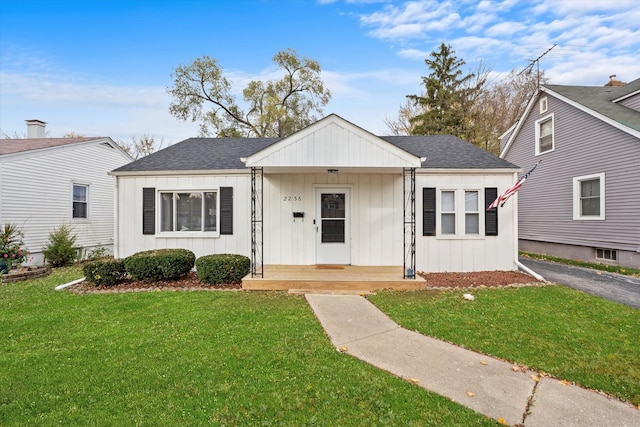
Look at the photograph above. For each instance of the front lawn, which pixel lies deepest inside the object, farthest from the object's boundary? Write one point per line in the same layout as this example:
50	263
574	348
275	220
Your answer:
554	329
190	358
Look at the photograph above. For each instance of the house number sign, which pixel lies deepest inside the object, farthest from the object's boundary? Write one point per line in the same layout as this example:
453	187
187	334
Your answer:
291	198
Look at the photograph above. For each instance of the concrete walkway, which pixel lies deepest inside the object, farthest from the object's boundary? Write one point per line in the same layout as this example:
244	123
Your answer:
489	386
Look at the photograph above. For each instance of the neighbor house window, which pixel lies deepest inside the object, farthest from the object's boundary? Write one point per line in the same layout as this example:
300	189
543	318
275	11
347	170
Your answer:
80	203
471	213
543	105
544	135
588	197
606	254
448	212
189	211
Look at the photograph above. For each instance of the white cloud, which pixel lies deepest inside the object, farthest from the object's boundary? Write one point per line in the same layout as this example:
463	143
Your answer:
505	29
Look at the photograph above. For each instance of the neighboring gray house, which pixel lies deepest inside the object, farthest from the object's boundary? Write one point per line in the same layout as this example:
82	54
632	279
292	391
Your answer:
331	193
583	200
47	182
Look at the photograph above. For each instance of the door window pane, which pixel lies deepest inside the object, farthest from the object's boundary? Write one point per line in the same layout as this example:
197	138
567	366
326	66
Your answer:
333	217
333	231
333	205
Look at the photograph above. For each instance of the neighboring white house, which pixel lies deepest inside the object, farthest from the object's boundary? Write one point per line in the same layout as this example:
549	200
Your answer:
331	193
47	182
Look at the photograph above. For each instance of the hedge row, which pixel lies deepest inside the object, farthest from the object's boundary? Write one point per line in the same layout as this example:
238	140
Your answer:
168	264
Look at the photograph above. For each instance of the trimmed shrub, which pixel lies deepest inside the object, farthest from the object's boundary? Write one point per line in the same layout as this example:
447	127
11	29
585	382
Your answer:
104	272
222	268
60	251
160	264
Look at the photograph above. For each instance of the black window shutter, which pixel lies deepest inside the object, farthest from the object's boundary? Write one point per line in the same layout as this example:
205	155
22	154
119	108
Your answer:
148	211
429	211
226	210
491	215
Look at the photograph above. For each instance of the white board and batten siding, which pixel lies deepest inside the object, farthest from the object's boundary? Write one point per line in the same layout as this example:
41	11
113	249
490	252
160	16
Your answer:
466	253
374	210
130	238
37	190
332	143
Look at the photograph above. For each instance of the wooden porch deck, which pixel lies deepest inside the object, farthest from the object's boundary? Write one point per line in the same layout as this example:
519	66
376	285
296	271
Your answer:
330	278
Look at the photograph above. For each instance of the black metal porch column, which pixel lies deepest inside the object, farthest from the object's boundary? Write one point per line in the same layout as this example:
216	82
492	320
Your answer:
257	228
409	222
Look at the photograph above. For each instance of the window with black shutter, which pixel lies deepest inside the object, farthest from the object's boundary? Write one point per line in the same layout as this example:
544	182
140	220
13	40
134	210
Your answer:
226	210
429	211
148	211
491	215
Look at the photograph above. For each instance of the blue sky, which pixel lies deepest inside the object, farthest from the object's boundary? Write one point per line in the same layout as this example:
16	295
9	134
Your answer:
101	67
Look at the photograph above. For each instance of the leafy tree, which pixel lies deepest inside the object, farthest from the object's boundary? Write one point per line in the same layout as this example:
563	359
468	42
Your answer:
202	93
447	97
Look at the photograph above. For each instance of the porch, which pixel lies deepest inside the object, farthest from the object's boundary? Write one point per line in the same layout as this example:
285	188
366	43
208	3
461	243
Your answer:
331	278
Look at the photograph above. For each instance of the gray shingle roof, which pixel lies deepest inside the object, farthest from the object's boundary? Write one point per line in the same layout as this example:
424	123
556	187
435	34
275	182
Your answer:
202	154
448	152
599	99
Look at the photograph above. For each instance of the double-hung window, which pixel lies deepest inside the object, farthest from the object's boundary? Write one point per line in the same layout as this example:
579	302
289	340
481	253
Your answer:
80	202
459	213
544	134
448	212
471	213
588	197
194	211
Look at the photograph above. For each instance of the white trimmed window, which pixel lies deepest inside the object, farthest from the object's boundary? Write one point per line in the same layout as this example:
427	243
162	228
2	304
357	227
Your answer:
471	213
545	135
588	197
459	214
448	212
189	211
606	254
80	202
543	105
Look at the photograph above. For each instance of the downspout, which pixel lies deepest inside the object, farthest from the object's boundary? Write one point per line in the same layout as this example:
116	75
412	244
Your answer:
515	233
530	271
116	219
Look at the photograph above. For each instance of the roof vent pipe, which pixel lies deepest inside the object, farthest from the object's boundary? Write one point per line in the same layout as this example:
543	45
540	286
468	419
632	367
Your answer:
36	128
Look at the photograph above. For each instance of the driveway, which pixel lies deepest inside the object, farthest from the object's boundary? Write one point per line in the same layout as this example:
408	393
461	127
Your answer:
614	287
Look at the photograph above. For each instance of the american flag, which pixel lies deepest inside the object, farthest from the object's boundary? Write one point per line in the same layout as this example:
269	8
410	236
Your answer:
501	200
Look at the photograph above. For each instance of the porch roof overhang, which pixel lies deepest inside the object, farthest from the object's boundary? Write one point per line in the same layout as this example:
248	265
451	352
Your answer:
332	144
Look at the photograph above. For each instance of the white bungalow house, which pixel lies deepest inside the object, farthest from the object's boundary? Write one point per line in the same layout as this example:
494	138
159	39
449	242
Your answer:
48	182
331	193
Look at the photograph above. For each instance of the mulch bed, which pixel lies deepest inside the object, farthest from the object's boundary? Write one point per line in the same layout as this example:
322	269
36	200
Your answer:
187	283
481	279
478	279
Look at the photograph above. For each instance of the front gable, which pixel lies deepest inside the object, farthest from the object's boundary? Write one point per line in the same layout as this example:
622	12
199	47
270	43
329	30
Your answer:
333	143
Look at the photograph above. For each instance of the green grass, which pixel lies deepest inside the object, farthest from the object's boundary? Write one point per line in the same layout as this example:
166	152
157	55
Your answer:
603	267
190	358
566	333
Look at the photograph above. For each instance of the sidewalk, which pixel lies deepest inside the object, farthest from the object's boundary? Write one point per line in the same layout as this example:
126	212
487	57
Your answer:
488	386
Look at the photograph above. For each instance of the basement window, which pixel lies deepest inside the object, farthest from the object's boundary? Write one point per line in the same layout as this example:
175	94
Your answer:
606	254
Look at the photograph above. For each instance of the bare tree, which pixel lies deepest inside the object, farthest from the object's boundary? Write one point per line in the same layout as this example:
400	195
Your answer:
142	146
